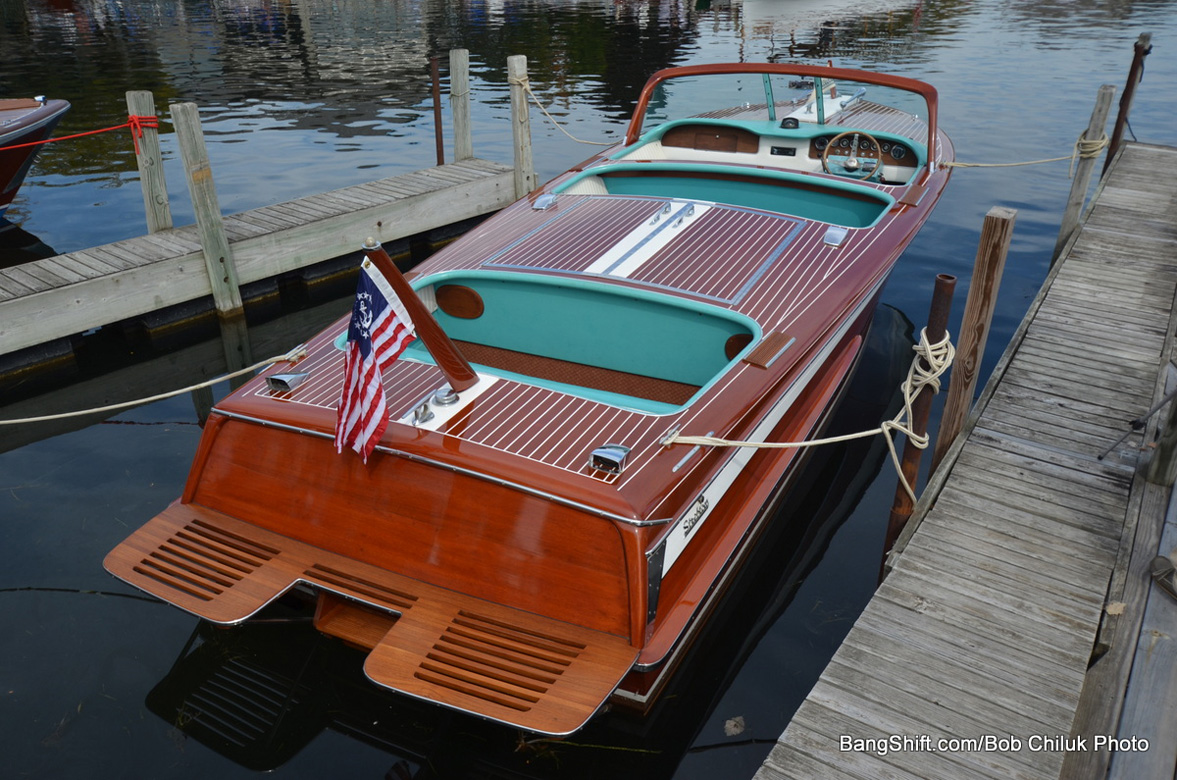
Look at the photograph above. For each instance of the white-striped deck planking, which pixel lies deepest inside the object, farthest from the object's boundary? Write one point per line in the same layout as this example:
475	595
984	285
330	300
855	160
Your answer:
59	296
985	626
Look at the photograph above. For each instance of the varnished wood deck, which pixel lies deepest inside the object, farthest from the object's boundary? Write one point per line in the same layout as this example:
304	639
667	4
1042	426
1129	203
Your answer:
987	623
428	642
72	293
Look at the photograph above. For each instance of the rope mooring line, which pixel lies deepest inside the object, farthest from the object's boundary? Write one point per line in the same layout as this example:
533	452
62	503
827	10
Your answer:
292	356
938	358
135	122
1084	149
526	84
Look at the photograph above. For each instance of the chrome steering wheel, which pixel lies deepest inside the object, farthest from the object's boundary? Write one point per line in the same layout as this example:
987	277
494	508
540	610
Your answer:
861	163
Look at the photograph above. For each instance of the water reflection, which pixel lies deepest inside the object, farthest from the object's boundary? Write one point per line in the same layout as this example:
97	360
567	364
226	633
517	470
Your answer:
304	96
361	68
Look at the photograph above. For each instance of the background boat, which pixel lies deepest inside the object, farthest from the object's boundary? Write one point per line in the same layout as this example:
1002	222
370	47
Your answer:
23	123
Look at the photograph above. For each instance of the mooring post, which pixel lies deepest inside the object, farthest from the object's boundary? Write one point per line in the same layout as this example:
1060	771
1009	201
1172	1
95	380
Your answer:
460	103
1084	169
438	130
1162	467
141	103
1141	49
521	125
218	260
996	233
921	409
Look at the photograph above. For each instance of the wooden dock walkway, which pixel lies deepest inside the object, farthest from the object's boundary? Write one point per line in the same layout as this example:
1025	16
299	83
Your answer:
72	293
971	660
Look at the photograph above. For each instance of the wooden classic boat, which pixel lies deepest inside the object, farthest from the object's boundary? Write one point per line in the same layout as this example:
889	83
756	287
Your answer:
527	541
23	122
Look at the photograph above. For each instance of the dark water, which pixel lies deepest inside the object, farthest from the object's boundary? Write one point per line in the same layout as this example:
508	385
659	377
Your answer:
299	97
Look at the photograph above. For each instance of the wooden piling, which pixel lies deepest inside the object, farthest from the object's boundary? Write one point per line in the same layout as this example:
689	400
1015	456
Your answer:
1083	170
1141	49
218	260
1162	467
150	161
460	104
996	233
521	125
921	409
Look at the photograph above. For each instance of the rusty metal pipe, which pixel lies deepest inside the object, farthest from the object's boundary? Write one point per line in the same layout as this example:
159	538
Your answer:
437	128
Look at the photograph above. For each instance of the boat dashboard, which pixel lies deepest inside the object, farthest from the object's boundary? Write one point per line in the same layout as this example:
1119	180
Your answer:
844	151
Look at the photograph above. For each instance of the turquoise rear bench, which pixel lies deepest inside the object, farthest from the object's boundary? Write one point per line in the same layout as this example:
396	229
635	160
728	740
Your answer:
838	203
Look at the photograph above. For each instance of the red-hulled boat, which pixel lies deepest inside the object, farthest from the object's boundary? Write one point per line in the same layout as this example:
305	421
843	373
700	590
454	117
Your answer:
527	540
22	124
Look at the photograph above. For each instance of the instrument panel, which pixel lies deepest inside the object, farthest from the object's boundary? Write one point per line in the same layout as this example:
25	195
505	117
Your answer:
892	152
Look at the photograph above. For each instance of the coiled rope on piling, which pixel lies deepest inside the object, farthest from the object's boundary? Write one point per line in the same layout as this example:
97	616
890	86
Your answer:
135	122
525	83
292	356
1084	149
929	363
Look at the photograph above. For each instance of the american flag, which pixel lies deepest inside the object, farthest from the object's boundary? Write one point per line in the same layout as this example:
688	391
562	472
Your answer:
379	331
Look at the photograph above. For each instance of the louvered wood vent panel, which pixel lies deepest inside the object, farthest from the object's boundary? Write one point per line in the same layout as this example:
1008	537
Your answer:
203	561
497	662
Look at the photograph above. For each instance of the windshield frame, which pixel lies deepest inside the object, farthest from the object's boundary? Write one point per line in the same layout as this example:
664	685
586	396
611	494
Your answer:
817	72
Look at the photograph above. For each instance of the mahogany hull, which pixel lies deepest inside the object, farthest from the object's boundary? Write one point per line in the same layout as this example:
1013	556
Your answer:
539	542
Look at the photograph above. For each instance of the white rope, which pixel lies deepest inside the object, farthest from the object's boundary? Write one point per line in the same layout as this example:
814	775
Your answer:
292	356
526	84
1083	150
937	357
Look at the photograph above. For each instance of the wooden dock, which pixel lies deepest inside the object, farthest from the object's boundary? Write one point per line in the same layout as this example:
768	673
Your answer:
1029	563
47	301
67	294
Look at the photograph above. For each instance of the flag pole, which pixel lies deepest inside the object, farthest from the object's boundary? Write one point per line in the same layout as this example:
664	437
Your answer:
451	362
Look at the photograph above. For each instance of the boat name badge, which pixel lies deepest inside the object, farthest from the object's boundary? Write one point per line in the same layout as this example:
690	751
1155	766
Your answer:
696	514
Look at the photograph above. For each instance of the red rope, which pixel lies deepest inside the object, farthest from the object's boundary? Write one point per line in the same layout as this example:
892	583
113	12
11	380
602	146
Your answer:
136	123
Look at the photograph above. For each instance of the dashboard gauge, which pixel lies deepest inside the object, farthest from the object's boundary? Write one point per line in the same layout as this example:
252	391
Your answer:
898	151
820	144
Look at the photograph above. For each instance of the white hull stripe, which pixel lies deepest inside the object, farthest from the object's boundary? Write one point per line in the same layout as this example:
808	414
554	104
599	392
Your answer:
685	528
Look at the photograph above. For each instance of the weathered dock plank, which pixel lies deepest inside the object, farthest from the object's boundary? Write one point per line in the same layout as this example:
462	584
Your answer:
73	293
987	622
1148	712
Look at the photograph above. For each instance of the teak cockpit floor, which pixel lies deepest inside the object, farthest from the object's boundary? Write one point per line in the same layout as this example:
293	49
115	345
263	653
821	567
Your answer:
507	665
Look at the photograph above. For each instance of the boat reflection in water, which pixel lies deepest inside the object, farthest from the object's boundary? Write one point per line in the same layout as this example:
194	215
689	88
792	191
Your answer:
259	693
544	508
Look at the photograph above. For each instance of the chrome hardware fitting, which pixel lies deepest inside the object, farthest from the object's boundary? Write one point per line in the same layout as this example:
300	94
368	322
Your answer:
609	458
422	414
284	383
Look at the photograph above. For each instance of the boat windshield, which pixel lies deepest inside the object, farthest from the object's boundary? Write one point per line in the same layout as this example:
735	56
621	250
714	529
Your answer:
769	97
788	97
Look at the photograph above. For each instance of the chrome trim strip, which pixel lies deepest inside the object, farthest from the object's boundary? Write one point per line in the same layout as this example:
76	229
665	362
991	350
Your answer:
459	470
653	580
690	454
